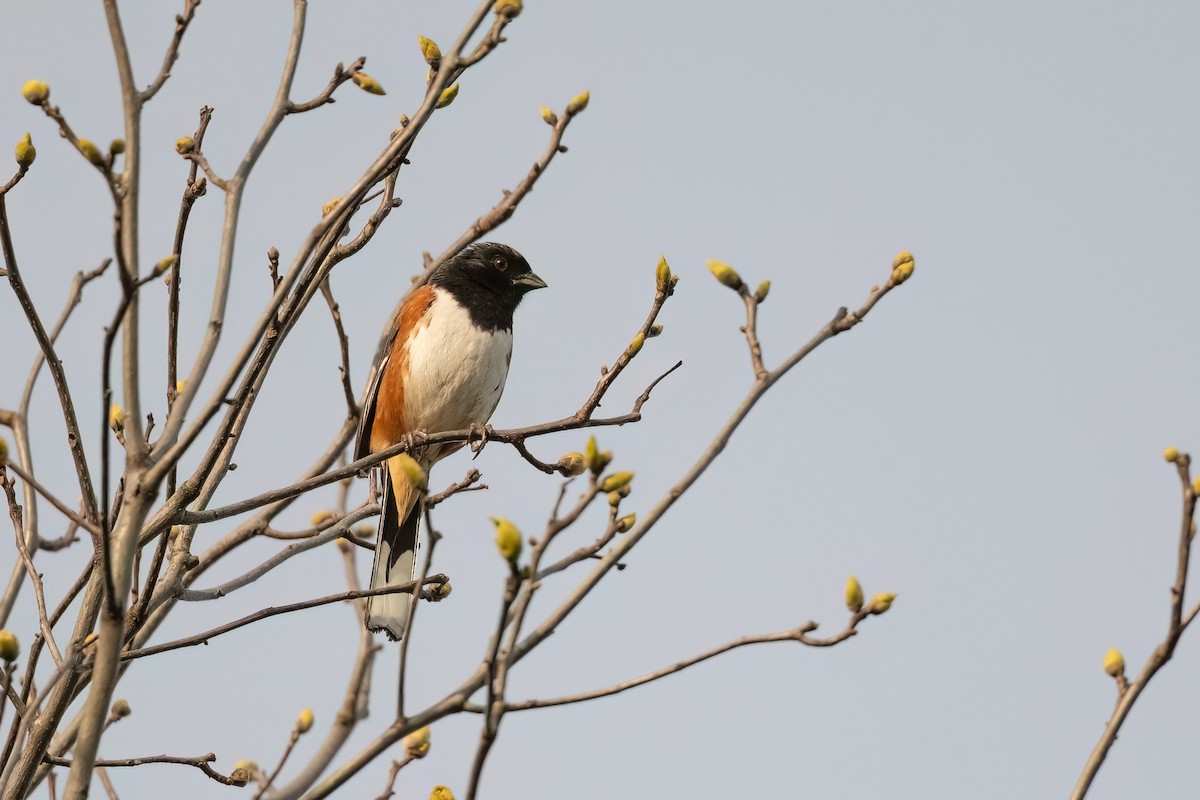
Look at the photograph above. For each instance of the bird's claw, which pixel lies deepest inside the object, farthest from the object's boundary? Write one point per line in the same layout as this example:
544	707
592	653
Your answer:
484	433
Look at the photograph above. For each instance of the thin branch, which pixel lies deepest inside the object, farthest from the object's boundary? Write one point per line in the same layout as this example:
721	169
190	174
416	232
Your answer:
1129	691
340	76
203	638
799	634
62	507
199	762
181	24
14	512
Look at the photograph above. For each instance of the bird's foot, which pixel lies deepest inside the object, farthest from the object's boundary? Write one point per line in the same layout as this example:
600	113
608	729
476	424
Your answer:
484	432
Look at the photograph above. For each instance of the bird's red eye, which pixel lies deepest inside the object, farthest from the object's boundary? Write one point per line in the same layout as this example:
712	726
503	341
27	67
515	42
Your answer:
500	263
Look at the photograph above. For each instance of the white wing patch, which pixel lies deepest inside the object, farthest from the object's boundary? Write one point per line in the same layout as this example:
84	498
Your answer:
456	371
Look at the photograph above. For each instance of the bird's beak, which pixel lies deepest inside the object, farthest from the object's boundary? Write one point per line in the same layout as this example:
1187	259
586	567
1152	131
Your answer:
529	281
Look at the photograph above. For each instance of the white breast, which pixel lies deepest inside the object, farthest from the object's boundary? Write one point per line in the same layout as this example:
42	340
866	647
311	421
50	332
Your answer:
456	371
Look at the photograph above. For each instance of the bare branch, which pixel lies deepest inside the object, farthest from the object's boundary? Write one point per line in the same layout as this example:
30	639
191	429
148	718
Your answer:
181	24
274	611
199	762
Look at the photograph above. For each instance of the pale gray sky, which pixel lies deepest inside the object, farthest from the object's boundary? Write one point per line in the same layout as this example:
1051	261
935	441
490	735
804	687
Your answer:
987	445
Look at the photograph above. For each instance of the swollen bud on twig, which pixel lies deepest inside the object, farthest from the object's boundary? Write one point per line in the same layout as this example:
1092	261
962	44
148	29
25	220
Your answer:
761	292
614	499
164	265
416	744
429	50
116	146
304	722
26	152
116	417
3	450
578	103
572	464
508	539
626	522
635	346
724	273
121	709
330	205
1170	455
368	84
91	152
441	793
447	96
1196	485
591	456
902	267
508	8
442	591
36	92
854	594
322	516
10	648
662	274
655	330
616	481
880	603
1114	662
412	470
548	116
239	777
185	144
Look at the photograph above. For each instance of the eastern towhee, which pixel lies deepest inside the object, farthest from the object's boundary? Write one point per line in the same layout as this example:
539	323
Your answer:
441	368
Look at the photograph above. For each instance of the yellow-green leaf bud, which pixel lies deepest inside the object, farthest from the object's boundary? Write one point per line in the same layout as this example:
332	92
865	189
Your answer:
616	481
854	594
180	385
121	709
880	603
655	330
442	591
330	205
578	103
902	267
761	292
724	273
508	539
35	91
26	152
239	777
635	346
1114	662
572	463
614	499
185	144
626	522
1196	485
441	793
662	274
10	648
429	50
304	722
416	744
248	765
322	516
447	96
604	458
116	416
368	84
591	455
3	450
508	8
413	471
164	264
548	116
116	147
1170	455
91	152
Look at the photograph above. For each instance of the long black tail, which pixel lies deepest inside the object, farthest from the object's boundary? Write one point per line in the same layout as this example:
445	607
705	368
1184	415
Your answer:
395	561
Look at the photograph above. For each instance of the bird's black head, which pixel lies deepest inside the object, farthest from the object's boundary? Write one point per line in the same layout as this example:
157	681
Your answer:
489	280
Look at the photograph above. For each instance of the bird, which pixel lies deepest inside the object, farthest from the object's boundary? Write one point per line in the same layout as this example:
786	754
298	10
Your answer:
440	367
